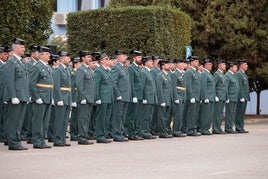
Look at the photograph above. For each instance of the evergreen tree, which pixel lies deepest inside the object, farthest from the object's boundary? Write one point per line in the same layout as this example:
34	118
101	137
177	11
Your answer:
27	19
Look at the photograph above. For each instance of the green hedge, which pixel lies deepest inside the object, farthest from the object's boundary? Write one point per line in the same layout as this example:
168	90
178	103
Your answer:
152	29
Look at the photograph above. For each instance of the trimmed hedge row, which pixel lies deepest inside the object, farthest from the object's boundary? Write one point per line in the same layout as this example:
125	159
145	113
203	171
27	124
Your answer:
154	30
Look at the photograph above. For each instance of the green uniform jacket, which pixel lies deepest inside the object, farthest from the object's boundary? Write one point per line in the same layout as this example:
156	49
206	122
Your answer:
104	86
2	67
121	79
163	89
178	80
193	88
207	86
16	80
243	84
155	72
135	81
85	84
61	79
41	74
232	87
148	86
220	85
74	86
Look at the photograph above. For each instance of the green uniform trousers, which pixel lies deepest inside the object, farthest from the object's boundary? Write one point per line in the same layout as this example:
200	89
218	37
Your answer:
74	124
40	121
133	118
118	119
240	114
14	119
146	116
92	123
230	116
103	113
60	124
29	118
218	116
206	114
191	117
178	118
163	114
153	122
2	126
50	132
84	117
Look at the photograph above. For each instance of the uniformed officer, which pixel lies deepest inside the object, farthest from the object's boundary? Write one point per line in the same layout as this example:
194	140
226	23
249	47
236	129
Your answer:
198	106
164	99
133	114
16	93
9	51
243	96
76	62
192	96
29	111
179	96
104	97
121	79
41	88
207	96
54	63
232	97
86	97
220	96
62	98
149	97
155	70
3	59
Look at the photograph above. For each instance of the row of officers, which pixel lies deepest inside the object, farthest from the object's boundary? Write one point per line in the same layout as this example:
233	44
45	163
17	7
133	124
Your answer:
107	99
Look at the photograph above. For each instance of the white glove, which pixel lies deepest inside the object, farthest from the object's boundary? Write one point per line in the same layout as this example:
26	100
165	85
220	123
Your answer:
135	100
84	101
192	100
177	101
5	102
217	99
144	101
163	104
39	101
98	102
119	98
15	101
242	100
52	102
30	99
227	101
74	104
206	101
60	103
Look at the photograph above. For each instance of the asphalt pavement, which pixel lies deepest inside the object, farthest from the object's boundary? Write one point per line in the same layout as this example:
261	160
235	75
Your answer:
217	156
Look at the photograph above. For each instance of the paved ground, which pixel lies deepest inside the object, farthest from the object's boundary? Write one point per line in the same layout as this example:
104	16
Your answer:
217	156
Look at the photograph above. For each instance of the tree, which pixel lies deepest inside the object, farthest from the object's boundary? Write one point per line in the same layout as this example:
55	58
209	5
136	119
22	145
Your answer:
230	29
27	19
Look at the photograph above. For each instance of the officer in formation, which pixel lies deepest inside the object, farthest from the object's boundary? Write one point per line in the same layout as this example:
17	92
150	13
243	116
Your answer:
108	99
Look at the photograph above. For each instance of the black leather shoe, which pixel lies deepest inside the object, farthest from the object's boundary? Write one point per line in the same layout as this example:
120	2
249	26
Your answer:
73	139
17	148
47	146
105	141
86	142
135	138
231	132
59	145
50	140
120	140
38	147
154	133
195	134
179	135
5	143
242	131
205	133
29	142
165	136
149	137
91	138
2	140
67	145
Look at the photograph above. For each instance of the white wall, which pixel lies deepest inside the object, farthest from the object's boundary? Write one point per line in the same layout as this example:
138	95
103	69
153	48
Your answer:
251	107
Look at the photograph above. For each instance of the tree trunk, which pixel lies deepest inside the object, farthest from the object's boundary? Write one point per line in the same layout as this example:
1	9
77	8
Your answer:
258	103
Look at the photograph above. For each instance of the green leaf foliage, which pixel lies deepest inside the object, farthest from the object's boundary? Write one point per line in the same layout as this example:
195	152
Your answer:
152	29
27	19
